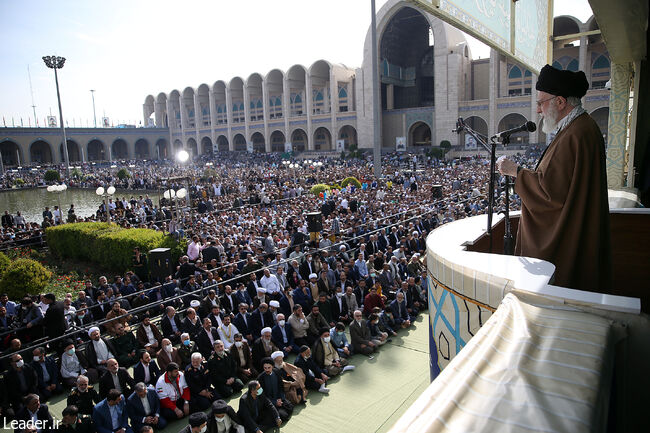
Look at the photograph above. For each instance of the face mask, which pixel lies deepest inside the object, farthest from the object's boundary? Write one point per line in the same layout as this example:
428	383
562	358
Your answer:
238	344
186	343
326	339
168	348
339	294
204	429
281	322
259	391
81	316
71	352
37	358
222	419
20	363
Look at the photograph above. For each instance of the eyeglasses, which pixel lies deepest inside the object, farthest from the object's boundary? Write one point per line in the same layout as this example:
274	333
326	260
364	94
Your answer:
539	103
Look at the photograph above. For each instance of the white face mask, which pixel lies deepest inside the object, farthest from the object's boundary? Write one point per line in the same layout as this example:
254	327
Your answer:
281	322
37	358
20	363
168	348
339	294
238	343
326	339
222	419
204	429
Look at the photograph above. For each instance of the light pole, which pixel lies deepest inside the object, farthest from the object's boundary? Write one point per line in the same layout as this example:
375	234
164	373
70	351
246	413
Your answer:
58	189
376	134
92	92
56	62
106	193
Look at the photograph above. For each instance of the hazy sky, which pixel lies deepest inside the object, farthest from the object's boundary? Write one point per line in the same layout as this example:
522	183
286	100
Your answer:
127	49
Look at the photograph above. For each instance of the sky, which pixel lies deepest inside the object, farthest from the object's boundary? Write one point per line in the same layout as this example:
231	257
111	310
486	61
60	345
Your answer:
127	49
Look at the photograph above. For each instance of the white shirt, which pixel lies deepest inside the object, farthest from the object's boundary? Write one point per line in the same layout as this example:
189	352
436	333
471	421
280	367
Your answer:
147	375
227	334
271	284
147	330
145	405
103	354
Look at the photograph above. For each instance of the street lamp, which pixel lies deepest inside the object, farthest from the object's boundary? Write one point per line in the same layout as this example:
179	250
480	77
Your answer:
58	189
56	62
106	193
294	167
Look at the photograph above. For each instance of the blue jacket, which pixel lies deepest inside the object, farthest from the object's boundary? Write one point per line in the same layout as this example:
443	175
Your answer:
102	417
276	337
399	314
136	410
52	370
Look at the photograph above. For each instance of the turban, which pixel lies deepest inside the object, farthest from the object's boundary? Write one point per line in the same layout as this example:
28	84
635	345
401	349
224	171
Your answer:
265	330
312	276
219	407
274	304
562	83
277	354
197	419
195	303
93	329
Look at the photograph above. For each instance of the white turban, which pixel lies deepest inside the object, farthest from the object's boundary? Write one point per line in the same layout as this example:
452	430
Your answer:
265	330
261	289
195	303
277	354
274	304
312	276
93	329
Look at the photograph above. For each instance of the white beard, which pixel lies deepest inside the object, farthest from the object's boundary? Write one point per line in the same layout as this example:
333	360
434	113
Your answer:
550	121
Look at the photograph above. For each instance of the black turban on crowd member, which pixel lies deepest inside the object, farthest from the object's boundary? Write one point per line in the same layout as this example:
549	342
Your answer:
562	83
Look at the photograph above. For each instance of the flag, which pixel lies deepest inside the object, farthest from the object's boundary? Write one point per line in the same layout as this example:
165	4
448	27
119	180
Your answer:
21	122
4	122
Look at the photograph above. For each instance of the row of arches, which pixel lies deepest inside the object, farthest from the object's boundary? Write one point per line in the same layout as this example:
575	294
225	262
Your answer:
42	151
323	86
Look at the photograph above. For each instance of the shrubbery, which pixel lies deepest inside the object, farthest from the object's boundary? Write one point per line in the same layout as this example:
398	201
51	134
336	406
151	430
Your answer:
318	188
4	263
123	173
52	176
351	180
111	246
24	276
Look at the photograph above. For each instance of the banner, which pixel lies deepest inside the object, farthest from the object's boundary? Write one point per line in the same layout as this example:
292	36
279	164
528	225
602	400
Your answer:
288	147
470	142
51	122
249	147
340	145
400	144
105	122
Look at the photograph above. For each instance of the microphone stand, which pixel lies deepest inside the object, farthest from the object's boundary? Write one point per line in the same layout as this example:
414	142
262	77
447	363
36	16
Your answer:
492	148
508	241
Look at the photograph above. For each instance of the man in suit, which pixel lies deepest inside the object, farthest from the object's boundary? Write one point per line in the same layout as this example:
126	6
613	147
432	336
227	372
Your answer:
33	410
256	411
259	319
282	336
399	308
47	373
262	348
167	354
126	346
110	415
191	323
54	323
115	378
242	322
171	325
208	302
223	371
146	370
228	300
315	378
83	396
74	422
206	338
20	380
143	408
210	252
148	335
241	353
360	335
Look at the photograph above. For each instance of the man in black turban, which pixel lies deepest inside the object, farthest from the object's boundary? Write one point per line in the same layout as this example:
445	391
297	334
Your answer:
564	207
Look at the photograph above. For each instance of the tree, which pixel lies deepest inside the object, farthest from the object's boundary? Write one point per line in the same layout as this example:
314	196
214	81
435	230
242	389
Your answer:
445	144
123	173
52	176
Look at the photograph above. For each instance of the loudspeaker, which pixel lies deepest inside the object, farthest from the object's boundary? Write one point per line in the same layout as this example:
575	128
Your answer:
160	263
436	190
314	222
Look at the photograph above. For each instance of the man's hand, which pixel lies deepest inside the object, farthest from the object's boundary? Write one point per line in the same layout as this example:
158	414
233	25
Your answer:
507	167
178	412
186	408
278	402
247	372
325	377
230	381
278	422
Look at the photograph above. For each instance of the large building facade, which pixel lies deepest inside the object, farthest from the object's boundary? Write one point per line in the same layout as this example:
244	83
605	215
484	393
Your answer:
428	80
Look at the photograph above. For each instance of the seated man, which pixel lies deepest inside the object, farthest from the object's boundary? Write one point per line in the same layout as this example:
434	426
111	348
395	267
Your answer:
126	346
293	379
116	378
35	412
20	380
315	378
146	370
186	349
48	374
282	336
400	314
271	382
340	341
376	335
149	336
227	332
173	393
316	323
110	415
223	371
98	351
74	422
206	338
197	423
83	396
224	419
191	323
143	408
299	325
119	316
256	412
386	322
241	353
360	335
326	356
73	364
262	348
171	325
198	381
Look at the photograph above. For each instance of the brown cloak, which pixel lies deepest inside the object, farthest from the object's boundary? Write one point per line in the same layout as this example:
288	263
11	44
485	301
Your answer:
564	208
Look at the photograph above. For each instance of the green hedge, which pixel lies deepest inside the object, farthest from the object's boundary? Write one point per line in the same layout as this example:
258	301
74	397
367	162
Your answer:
111	246
24	276
351	180
4	263
318	188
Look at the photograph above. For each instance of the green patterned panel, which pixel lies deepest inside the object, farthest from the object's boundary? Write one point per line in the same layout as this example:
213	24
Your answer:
617	125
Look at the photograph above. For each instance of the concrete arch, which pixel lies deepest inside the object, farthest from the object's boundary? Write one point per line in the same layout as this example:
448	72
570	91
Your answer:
259	142
192	147
427	122
178	145
419	134
239	143
297	82
319	74
299	140
162	149
74	151
236	90
162	119
141	149
323	139
149	109
255	97
277	141
203	99
274	82
40	151
96	150
220	102
601	117
187	100
12	153
348	134
513	120
222	143
206	145
175	106
119	149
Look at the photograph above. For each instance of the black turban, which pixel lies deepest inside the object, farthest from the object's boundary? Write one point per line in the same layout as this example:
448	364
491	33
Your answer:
562	83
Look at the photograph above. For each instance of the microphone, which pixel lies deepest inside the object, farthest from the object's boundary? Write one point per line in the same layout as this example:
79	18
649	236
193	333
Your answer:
528	126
